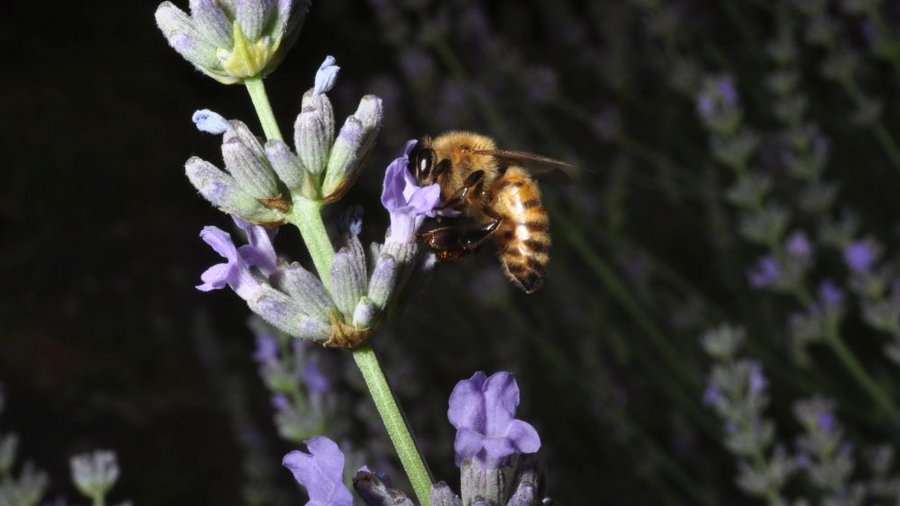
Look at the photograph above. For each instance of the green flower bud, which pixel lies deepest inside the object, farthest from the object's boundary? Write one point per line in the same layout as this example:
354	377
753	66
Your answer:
224	192
306	289
348	277
365	314
311	139
253	174
286	164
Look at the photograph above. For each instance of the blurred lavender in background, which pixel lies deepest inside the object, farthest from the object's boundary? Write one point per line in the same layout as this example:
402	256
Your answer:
739	167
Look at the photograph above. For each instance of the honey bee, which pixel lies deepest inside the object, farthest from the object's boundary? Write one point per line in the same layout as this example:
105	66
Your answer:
495	189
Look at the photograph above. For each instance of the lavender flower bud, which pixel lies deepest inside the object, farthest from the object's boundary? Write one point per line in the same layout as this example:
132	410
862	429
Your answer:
253	16
442	495
252	174
344	160
321	103
305	289
370	113
348	276
365	314
95	473
212	22
286	164
311	139
326	76
8	445
284	313
383	281
223	191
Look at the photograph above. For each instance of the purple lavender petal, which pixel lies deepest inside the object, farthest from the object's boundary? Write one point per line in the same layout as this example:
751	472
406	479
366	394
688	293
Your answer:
320	472
260	252
523	437
467	402
219	275
501	398
483	411
234	272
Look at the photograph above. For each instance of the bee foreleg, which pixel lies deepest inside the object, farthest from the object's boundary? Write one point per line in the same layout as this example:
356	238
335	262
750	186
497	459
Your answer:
472	185
454	242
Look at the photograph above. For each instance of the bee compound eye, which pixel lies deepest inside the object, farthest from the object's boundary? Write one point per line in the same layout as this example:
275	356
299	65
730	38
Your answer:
423	164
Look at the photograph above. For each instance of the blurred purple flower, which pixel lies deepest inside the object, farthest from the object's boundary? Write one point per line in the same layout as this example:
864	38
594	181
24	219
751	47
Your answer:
756	380
859	256
711	395
482	409
831	296
235	272
765	273
826	420
320	472
280	402
316	382
798	246
266	348
407	203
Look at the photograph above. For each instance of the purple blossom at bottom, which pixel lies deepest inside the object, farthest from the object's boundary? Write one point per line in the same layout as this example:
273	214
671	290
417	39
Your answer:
831	295
483	409
320	472
407	203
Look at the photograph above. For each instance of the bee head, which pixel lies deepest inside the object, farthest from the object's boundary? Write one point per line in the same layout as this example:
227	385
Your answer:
422	163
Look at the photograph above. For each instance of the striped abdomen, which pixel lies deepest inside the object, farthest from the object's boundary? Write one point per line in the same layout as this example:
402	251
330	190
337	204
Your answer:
523	237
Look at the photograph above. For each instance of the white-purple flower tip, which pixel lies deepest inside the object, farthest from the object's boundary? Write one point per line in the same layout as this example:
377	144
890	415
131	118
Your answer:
407	203
483	411
320	472
210	122
326	76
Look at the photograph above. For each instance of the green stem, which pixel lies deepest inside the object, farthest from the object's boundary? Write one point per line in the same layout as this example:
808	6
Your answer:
394	422
306	216
260	99
882	400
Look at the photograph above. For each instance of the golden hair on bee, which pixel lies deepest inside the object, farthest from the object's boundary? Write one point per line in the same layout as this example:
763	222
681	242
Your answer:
495	190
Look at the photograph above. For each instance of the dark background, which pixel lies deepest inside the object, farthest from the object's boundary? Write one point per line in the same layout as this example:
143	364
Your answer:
105	342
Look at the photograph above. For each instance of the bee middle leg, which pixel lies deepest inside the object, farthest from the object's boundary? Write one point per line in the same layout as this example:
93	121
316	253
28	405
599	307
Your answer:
454	242
471	186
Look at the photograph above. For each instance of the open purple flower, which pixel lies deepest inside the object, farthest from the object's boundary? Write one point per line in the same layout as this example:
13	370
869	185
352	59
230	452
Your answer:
483	411
260	252
235	272
320	472
407	202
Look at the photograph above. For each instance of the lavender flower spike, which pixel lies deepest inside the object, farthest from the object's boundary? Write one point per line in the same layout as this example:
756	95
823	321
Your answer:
483	411
407	203
235	40
320	472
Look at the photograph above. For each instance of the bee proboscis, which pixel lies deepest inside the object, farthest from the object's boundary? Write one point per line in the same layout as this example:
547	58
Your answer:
495	189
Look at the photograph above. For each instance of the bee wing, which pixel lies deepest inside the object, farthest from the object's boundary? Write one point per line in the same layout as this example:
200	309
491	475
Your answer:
540	167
